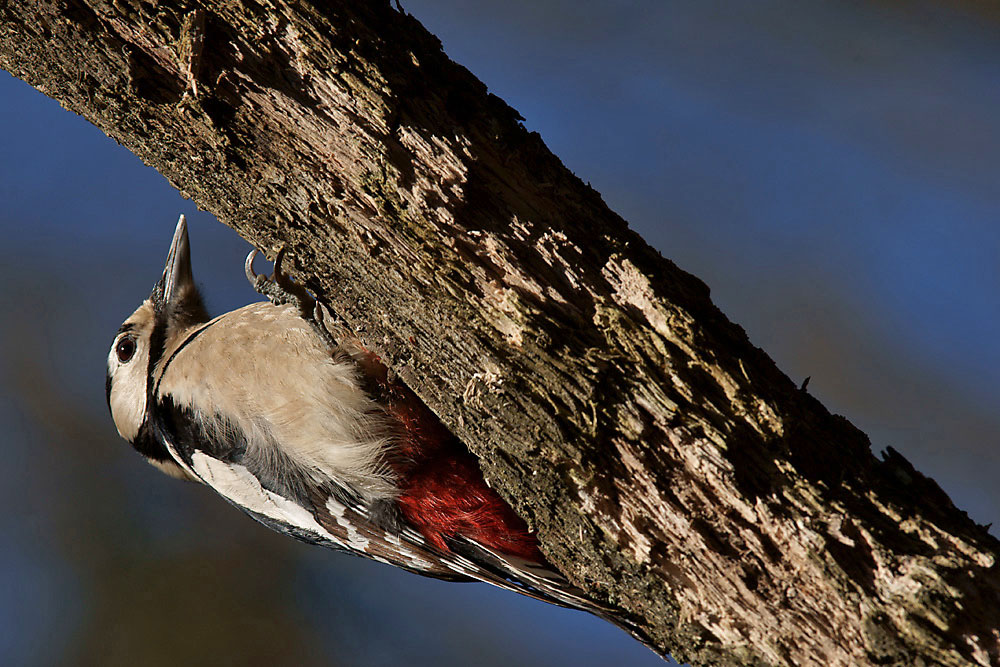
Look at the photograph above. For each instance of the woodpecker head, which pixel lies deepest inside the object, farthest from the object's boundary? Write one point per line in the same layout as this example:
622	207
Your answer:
173	307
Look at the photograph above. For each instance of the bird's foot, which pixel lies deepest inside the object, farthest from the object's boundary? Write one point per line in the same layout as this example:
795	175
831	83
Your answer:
280	289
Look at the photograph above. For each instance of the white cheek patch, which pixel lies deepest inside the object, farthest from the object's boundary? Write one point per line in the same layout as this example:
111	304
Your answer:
238	485
128	393
127	399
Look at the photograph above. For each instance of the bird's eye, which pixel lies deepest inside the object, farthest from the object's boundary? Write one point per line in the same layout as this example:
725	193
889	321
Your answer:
125	349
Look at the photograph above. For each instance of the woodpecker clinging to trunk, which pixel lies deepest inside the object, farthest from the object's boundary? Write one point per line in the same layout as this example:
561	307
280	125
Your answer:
310	437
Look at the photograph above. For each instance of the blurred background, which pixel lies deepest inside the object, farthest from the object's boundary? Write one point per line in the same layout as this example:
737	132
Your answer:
831	170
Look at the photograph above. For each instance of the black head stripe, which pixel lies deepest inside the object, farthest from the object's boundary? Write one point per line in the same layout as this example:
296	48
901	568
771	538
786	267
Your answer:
160	421
157	343
194	334
149	440
107	389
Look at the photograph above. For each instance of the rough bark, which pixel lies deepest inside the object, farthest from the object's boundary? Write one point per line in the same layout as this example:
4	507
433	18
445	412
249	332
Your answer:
666	463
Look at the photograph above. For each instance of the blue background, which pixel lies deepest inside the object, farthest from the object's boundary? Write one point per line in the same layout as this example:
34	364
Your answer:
829	169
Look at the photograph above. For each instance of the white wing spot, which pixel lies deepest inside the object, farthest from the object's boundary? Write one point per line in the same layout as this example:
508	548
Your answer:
415	560
355	539
239	485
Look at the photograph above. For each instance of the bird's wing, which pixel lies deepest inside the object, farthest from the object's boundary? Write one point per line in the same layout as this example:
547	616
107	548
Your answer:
324	513
294	503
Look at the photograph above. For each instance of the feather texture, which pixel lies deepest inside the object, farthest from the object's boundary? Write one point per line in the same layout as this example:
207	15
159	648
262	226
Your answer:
313	439
298	407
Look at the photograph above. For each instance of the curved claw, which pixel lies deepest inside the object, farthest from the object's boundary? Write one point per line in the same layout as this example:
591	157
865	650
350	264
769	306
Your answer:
279	288
280	278
248	268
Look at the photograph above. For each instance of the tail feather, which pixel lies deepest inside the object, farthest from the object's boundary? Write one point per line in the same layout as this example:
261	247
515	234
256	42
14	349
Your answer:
542	582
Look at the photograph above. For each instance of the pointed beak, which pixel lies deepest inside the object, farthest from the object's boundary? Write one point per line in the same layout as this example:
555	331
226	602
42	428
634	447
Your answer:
177	272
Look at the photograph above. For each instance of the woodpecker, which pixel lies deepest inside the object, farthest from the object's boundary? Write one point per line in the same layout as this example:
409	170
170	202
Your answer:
311	436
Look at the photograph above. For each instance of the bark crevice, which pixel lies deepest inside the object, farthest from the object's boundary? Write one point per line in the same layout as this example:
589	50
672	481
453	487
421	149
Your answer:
667	464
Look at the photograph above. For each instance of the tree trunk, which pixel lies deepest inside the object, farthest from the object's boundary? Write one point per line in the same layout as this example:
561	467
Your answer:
668	466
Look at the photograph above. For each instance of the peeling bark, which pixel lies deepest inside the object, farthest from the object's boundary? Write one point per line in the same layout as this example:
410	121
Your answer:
666	463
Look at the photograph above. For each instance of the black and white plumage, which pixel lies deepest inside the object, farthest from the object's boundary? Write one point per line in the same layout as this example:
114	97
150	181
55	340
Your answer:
311	438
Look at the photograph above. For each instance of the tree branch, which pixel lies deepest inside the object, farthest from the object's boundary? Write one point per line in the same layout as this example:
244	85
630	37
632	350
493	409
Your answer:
666	463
